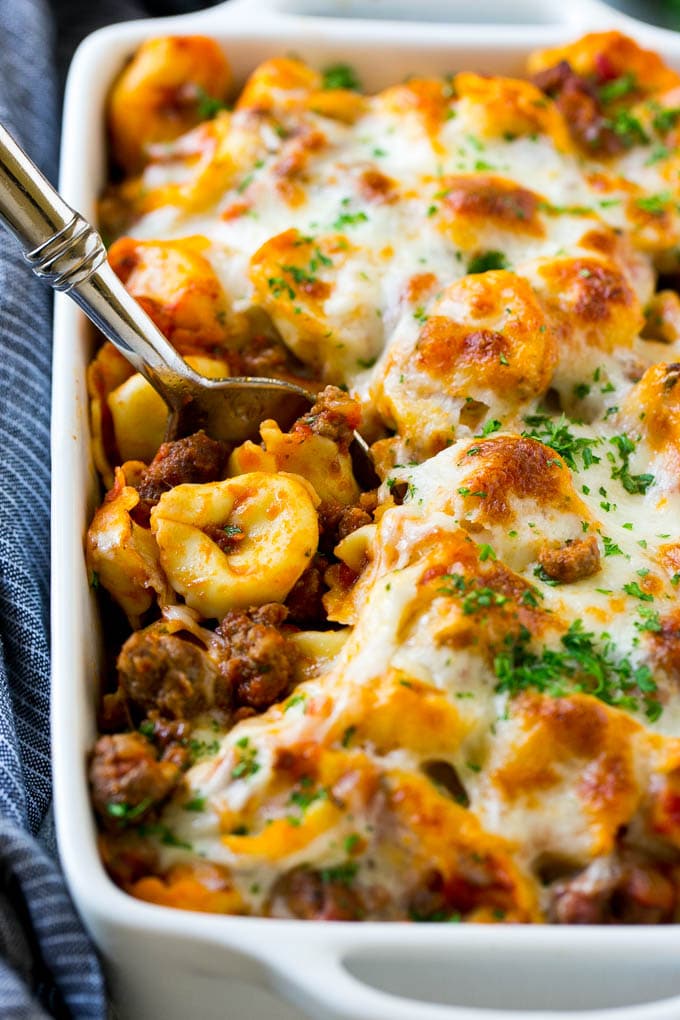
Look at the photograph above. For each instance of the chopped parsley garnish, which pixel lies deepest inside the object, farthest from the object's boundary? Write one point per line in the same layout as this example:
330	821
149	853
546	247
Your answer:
583	662
202	748
347	736
486	261
232	530
634	589
299	274
557	436
634	484
665	118
628	128
340	76
127	812
195	804
474	599
344	873
166	836
352	842
650	619
279	286
611	548
542	575
350	220
246	760
617	88
304	797
658	153
486	552
654	204
491	426
207	107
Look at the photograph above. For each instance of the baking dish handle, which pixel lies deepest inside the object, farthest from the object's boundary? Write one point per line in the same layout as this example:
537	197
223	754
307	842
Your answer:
317	981
327	982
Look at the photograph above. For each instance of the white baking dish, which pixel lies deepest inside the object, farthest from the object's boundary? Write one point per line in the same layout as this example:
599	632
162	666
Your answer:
174	964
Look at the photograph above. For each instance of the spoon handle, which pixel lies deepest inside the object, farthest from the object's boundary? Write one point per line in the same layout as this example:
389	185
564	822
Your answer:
66	252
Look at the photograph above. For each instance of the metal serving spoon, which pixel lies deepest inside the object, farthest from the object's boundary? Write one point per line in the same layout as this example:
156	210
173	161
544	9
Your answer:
65	251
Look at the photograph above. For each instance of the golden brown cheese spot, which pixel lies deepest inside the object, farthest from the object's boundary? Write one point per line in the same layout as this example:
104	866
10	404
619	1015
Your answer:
288	267
157	97
281	83
338	104
399	711
296	155
578	741
590	302
508	107
481	200
481	602
502	344
605	56
420	286
177	287
430	98
377	187
652	221
669	557
293	276
653	408
662	317
486	340
510	468
198	885
476	874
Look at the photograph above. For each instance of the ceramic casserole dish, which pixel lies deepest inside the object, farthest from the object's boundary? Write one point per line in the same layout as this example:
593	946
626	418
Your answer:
167	963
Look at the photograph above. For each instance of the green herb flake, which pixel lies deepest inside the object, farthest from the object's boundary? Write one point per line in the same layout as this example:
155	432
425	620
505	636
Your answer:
633	484
207	106
349	220
127	812
487	261
655	205
583	662
340	76
617	88
634	589
650	620
557	435
246	760
491	426
351	843
195	804
611	548
348	735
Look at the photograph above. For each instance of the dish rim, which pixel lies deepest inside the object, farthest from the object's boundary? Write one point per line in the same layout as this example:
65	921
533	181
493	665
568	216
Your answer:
102	904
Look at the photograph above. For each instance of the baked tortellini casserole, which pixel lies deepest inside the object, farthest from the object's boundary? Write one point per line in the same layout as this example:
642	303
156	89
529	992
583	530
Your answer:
456	696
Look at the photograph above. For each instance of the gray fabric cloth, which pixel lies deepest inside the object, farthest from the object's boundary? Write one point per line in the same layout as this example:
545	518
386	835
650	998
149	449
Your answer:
47	965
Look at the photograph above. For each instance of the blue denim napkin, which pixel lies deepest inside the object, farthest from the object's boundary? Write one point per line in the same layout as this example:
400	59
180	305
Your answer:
48	967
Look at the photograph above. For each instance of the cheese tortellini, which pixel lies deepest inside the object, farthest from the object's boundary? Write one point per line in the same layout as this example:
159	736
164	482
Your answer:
237	543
